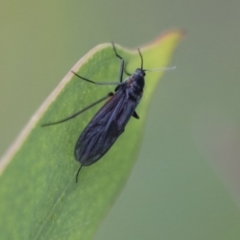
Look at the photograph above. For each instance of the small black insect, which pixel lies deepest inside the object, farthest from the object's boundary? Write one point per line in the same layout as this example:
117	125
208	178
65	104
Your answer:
109	122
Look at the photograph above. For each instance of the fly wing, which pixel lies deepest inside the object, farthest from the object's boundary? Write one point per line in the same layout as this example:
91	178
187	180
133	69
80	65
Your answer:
104	129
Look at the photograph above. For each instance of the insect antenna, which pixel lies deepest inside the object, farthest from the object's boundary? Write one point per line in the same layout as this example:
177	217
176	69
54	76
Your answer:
160	69
78	173
141	59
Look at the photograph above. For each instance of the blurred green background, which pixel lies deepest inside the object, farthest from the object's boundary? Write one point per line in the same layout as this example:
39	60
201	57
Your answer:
185	184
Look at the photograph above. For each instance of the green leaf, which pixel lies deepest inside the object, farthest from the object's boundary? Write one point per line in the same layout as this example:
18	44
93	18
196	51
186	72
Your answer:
38	194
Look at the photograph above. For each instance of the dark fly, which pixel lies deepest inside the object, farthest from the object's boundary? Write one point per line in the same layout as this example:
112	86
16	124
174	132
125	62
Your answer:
110	121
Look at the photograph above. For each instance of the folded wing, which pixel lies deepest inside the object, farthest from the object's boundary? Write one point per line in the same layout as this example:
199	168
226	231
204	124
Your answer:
104	129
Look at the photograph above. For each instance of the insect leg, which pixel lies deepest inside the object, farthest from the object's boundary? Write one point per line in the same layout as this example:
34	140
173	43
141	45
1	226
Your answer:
135	115
127	73
77	113
78	173
122	63
97	83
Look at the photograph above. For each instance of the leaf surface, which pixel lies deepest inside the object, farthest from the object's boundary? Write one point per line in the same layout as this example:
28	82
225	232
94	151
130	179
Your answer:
38	194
